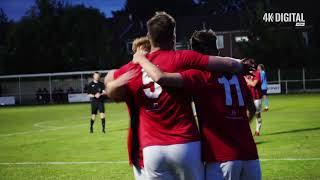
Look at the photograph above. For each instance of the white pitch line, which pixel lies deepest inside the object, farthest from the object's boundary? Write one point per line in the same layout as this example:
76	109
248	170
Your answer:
45	128
292	159
126	162
63	163
40	125
41	130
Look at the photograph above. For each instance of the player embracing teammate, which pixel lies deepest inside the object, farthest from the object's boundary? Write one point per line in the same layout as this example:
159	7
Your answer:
167	131
224	107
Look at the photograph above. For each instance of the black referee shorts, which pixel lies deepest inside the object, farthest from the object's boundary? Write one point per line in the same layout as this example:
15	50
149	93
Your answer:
97	105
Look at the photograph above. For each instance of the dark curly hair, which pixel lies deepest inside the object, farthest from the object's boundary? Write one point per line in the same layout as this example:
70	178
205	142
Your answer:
204	41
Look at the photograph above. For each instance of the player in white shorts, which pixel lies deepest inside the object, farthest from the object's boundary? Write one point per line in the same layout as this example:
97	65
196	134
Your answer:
167	130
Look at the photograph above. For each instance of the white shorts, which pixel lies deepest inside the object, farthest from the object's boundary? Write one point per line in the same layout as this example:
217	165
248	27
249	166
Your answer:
258	104
234	170
171	162
138	173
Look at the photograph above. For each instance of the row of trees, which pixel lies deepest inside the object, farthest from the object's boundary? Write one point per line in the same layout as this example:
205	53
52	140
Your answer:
55	36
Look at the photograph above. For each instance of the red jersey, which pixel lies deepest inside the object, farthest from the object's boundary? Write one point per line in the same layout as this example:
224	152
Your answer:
165	114
256	91
221	101
134	148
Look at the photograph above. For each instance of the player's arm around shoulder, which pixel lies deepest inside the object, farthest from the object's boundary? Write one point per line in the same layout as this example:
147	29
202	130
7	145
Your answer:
112	90
194	60
116	89
249	103
162	78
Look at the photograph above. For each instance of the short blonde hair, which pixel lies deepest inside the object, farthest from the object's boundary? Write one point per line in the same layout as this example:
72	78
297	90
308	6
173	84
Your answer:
141	41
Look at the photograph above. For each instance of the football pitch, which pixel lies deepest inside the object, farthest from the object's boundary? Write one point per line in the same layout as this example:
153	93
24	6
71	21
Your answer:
53	142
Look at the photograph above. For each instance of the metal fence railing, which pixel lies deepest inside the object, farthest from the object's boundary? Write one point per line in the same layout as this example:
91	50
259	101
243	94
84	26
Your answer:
55	87
45	88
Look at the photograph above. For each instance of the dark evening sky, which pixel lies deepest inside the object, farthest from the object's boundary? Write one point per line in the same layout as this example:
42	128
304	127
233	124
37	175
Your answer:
15	9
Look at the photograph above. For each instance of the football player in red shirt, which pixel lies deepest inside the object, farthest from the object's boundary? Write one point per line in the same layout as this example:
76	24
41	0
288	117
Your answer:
224	106
254	83
134	150
167	131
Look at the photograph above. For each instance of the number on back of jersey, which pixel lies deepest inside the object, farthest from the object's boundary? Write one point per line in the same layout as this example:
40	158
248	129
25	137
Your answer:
148	92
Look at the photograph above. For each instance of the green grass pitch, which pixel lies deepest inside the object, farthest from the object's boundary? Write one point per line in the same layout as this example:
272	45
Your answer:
289	147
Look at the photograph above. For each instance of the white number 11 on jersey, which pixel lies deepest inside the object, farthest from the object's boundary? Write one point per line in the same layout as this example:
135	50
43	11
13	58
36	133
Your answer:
227	83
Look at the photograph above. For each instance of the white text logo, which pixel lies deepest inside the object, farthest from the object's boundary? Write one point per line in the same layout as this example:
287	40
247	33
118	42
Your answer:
296	18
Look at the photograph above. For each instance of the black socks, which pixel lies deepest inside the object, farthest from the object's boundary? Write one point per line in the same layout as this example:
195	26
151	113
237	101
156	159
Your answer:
103	122
91	125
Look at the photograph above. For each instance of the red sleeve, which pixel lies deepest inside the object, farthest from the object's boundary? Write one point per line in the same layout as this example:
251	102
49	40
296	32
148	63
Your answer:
123	69
194	79
193	60
247	96
257	76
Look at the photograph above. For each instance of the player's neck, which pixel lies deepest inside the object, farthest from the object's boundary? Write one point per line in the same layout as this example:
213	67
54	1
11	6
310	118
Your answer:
154	49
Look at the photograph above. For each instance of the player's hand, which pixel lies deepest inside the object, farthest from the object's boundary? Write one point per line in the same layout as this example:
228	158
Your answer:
97	95
247	67
139	55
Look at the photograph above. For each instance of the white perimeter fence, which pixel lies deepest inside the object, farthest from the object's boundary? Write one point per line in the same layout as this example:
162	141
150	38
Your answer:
45	88
71	86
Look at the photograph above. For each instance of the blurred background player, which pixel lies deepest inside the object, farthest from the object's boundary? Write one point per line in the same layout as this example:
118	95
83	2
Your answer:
96	94
254	83
264	86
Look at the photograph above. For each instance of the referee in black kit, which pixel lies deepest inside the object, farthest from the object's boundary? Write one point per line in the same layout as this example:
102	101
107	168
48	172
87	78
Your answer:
96	93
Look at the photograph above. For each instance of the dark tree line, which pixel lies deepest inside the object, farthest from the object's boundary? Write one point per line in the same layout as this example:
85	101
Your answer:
55	36
58	37
278	45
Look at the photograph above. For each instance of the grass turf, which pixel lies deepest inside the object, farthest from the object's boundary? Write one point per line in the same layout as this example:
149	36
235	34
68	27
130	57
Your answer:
59	133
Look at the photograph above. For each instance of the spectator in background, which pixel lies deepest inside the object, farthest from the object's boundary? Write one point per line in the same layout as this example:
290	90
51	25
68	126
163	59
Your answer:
60	95
70	90
45	95
264	86
39	96
55	95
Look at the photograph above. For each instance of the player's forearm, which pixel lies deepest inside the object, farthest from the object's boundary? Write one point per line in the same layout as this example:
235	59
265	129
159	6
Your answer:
115	91
91	95
224	64
112	87
171	80
152	70
160	77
